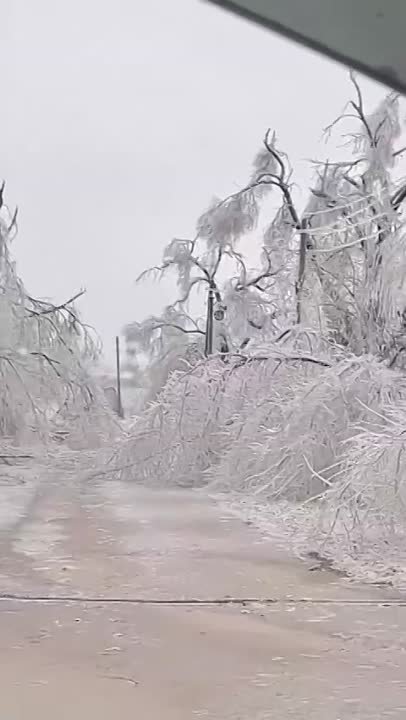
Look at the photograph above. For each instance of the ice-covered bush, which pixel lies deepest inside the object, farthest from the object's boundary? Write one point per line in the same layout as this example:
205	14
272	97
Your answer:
369	495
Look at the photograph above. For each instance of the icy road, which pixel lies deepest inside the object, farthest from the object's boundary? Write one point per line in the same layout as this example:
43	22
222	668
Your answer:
92	659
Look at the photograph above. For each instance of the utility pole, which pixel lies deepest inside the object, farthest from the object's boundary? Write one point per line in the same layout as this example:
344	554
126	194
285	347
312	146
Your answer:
119	403
208	348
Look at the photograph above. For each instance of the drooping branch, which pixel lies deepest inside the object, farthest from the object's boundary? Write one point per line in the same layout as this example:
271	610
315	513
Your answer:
286	358
186	331
49	308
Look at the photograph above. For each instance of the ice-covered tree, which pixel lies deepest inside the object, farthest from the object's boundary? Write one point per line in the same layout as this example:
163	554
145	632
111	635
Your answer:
238	303
354	289
336	266
310	405
45	357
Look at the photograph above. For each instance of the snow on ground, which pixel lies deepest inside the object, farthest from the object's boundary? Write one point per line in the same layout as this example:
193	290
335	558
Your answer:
299	529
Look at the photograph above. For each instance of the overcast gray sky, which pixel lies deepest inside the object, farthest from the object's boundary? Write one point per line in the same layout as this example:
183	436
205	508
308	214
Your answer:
120	120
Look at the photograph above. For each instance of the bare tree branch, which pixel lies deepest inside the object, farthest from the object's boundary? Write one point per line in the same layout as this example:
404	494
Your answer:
276	156
164	324
398	197
49	308
3	185
359	108
13	223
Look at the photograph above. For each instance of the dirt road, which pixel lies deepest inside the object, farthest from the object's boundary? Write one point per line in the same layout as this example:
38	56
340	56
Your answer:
98	659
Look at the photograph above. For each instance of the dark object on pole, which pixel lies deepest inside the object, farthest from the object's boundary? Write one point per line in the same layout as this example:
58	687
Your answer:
367	35
219	313
208	349
119	403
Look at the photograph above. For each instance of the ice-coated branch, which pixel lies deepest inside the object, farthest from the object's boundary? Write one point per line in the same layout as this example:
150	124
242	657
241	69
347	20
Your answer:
359	108
48	308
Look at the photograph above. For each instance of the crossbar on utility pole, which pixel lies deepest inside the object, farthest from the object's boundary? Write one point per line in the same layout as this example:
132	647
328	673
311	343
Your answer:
119	403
